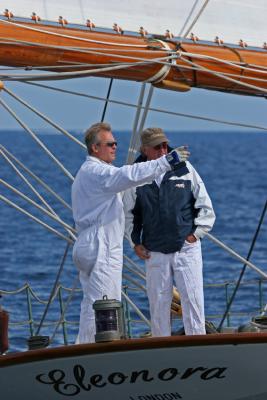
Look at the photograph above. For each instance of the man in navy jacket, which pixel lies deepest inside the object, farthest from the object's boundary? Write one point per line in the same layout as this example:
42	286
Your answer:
165	221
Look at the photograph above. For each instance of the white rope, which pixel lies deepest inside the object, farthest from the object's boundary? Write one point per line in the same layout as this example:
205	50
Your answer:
58	127
55	216
70	37
48	152
236	255
223	61
157	110
52	215
158	77
188	18
36	219
192	68
71	75
225	77
25	180
64	75
163	72
239	65
93	71
94	50
138	312
40	181
196	18
136	119
136	267
135	270
62	315
77	74
133	281
132	150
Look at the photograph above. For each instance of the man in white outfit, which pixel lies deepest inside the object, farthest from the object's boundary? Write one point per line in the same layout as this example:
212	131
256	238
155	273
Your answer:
99	218
165	221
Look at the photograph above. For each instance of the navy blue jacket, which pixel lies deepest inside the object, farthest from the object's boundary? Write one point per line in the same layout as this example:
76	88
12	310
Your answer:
161	217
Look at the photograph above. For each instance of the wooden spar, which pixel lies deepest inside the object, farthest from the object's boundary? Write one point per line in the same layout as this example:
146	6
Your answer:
45	46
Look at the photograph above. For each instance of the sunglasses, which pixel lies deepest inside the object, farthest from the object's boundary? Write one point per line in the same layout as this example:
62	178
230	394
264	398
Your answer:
160	146
109	144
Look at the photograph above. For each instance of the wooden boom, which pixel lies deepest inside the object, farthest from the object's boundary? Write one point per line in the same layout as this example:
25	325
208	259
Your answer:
169	64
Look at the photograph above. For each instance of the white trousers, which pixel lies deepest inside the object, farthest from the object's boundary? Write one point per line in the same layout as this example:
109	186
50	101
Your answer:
98	255
185	269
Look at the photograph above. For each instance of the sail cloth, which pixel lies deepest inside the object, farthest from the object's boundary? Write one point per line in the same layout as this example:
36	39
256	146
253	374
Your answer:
230	20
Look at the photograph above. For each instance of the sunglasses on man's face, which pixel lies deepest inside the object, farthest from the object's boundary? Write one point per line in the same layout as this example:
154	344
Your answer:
109	144
160	146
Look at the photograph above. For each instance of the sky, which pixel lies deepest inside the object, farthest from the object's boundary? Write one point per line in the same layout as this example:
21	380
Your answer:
77	113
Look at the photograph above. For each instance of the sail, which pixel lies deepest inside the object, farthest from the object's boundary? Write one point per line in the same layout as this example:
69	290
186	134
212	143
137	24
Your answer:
230	20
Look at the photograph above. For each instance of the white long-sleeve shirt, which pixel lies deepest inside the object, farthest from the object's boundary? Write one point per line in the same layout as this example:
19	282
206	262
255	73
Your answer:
96	198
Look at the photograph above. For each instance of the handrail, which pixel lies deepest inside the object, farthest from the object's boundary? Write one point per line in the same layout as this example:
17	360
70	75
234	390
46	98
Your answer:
32	323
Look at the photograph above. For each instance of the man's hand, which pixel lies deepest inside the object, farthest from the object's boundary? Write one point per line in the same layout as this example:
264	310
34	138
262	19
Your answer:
191	238
178	155
141	251
182	152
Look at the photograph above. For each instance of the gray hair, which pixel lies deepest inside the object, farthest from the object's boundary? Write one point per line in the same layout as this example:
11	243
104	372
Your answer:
92	134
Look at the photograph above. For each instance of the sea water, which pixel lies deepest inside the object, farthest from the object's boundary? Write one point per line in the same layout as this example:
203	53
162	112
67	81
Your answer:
233	166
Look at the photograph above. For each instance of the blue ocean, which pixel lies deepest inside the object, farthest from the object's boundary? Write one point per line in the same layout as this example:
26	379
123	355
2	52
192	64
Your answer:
233	166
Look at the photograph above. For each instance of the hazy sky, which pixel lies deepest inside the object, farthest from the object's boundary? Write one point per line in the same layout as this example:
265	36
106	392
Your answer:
77	113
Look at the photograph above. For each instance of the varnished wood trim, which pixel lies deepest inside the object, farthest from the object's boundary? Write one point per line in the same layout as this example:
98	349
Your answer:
132	345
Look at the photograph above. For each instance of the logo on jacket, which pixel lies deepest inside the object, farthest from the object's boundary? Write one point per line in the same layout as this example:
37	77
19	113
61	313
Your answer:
180	185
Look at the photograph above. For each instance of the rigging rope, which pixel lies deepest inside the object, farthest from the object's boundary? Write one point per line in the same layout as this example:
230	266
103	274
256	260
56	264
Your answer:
171	58
52	123
65	254
70	37
54	289
35	219
196	18
243	66
134	306
201	68
35	177
84	73
33	135
235	255
51	214
237	64
136	120
230	302
187	19
158	110
136	135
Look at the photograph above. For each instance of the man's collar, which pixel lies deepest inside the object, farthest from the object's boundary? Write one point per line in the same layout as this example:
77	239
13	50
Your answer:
96	159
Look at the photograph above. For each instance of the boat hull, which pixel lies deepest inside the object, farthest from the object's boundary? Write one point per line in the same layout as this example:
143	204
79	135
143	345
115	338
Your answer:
220	366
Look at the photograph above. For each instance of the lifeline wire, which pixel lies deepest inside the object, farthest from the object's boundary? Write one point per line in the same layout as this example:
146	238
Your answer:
244	267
